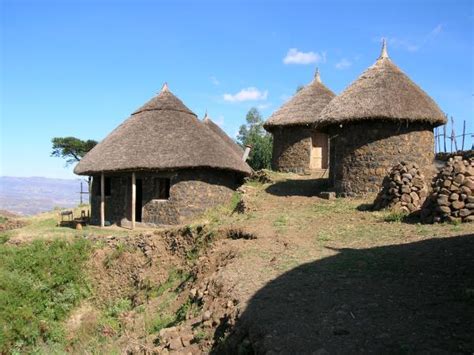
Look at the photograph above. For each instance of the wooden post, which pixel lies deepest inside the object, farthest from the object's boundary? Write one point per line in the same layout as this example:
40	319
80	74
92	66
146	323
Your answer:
102	200
439	139
463	134
134	199
444	135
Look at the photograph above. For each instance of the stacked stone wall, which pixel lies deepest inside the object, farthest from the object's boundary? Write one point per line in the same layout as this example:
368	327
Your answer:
191	193
362	153
291	149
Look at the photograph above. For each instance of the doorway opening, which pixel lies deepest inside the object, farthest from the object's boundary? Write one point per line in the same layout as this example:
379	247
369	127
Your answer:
319	151
139	198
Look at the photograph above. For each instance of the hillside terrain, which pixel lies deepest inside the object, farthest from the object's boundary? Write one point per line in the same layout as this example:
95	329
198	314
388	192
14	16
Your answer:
32	195
277	271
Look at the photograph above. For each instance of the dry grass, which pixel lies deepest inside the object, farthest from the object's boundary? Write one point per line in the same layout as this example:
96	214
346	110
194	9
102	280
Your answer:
45	226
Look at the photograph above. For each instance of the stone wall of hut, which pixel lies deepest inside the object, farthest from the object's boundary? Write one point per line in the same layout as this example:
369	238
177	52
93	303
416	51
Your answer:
291	149
191	193
362	153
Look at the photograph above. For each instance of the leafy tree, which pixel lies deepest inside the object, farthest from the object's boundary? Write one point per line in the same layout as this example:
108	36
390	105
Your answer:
71	148
253	134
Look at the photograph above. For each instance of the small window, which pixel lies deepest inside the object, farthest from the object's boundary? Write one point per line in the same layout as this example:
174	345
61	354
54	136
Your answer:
162	188
107	186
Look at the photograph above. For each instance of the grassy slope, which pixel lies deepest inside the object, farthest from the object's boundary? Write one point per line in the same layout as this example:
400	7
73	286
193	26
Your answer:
39	284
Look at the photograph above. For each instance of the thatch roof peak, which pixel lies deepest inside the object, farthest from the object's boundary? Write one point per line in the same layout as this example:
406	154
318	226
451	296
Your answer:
165	100
317	76
382	92
161	135
383	52
304	107
165	88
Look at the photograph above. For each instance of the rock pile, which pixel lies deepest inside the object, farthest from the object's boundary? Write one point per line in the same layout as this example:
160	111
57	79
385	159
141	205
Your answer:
452	198
403	189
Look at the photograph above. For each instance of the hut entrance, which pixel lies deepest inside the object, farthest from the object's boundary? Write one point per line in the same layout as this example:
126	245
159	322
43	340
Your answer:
319	151
138	203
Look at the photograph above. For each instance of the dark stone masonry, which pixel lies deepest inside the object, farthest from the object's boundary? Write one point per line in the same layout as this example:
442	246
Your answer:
191	192
362	153
291	149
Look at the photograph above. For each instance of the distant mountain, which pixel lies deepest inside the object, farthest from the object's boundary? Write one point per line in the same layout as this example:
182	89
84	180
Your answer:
32	195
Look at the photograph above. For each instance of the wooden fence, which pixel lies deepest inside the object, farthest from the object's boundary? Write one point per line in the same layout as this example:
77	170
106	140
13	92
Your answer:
450	142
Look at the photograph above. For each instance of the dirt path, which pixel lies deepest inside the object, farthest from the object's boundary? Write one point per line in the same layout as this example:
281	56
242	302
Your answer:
324	276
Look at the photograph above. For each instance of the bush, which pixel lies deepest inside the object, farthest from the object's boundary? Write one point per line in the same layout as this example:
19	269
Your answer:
39	284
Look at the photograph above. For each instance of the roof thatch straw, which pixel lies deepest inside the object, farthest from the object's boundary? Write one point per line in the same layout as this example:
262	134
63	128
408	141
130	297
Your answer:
161	135
384	92
222	135
304	107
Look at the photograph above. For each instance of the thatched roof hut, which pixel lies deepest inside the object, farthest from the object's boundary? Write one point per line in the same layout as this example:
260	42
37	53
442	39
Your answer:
381	119
222	135
304	107
296	146
161	166
382	92
163	134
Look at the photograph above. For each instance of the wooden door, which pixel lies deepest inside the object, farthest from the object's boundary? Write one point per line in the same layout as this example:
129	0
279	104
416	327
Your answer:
319	151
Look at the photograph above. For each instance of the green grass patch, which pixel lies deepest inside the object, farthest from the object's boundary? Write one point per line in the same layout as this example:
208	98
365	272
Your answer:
39	285
235	200
395	217
109	322
281	221
4	238
3	219
120	249
338	206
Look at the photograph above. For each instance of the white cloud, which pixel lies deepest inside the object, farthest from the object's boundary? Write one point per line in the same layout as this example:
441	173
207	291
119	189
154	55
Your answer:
214	81
343	64
248	94
294	56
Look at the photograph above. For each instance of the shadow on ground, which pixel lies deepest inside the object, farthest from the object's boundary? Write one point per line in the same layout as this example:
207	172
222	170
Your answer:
408	298
298	187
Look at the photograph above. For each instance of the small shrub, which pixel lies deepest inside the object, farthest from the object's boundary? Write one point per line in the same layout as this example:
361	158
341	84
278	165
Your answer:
116	253
235	200
200	336
162	321
119	307
4	238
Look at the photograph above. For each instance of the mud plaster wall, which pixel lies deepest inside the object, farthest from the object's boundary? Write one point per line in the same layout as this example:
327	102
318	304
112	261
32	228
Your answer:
191	192
362	153
291	149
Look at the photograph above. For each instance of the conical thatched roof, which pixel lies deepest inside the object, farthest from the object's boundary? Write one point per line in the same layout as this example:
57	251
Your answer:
304	107
384	92
222	135
161	135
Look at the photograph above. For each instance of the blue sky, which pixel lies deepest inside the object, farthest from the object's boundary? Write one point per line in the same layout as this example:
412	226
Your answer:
81	67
